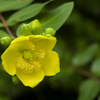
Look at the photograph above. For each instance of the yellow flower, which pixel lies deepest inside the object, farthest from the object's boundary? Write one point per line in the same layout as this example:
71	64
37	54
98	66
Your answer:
31	58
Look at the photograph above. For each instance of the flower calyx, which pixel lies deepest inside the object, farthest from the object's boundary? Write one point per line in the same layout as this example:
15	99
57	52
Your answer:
15	79
35	28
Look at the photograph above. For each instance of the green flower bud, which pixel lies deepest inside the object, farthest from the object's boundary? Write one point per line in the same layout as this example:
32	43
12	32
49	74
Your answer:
15	79
6	40
28	55
35	30
47	35
35	27
50	31
25	30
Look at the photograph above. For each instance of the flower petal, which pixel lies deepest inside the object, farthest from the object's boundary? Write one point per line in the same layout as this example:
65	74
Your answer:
51	63
20	43
8	58
43	42
30	79
20	39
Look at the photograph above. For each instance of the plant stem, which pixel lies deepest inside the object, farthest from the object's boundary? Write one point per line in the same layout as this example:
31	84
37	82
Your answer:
86	73
5	24
83	72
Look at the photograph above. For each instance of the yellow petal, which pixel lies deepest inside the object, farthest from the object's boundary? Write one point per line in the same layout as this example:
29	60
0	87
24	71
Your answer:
30	79
43	42
20	43
20	39
8	58
51	63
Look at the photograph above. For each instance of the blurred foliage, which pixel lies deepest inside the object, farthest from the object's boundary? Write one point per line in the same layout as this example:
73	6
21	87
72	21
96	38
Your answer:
87	88
78	45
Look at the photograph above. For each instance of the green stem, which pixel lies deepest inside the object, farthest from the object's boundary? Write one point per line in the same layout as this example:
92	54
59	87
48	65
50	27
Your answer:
5	24
83	72
86	73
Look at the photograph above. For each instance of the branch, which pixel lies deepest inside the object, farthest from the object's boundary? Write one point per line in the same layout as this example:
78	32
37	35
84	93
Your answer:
87	74
83	72
5	24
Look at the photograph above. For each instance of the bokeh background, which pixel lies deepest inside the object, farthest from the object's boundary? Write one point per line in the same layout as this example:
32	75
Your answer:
80	34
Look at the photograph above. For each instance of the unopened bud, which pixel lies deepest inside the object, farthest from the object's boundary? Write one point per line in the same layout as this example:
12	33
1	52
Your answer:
50	31
47	35
25	30
35	31
6	40
35	27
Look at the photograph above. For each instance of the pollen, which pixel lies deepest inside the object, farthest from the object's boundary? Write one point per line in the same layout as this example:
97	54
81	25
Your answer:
40	53
36	65
25	66
30	45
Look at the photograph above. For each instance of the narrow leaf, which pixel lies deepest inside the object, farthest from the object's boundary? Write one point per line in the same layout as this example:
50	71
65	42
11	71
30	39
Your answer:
56	18
86	56
13	4
95	68
2	34
88	90
26	13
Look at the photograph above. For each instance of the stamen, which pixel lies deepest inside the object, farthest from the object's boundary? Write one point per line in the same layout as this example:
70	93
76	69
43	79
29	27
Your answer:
25	66
30	45
29	61
40	53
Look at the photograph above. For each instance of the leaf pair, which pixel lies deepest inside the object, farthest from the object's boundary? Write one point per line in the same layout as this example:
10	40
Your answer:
54	18
86	56
26	13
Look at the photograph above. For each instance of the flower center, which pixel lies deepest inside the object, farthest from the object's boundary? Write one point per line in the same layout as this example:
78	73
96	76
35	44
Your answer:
23	65
30	60
27	65
28	55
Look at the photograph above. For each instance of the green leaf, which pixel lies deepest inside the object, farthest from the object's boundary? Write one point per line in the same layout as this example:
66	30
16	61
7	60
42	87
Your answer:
56	18
13	4
26	13
95	67
86	56
18	32
2	1
2	34
88	90
1	25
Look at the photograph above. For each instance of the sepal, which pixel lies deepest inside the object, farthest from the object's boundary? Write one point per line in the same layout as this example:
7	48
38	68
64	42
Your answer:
15	79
